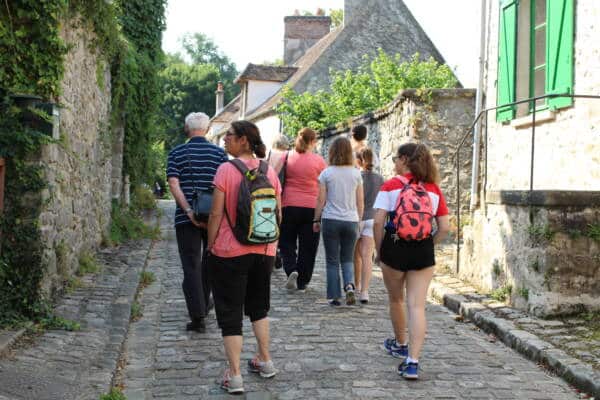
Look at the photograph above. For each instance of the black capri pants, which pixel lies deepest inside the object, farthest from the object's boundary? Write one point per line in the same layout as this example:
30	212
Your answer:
241	285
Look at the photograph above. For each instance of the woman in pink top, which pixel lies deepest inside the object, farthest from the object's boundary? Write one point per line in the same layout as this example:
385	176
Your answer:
299	201
240	274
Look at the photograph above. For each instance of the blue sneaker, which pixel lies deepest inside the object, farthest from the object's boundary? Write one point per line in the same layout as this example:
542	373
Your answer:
394	349
409	370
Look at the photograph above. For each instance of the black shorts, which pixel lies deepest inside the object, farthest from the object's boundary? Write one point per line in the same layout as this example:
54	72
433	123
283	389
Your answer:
405	255
240	285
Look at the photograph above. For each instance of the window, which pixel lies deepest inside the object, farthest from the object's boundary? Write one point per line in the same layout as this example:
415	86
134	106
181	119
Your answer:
535	54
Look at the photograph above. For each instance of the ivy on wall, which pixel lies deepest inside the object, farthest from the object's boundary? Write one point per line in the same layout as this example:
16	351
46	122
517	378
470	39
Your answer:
127	35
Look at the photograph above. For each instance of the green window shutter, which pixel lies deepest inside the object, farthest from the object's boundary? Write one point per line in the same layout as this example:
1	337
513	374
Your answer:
507	54
559	51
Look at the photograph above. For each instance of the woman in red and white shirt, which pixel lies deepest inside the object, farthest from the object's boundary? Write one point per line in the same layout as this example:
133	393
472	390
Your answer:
408	263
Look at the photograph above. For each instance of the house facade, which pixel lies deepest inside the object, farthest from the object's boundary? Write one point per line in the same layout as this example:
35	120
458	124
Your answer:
534	230
312	49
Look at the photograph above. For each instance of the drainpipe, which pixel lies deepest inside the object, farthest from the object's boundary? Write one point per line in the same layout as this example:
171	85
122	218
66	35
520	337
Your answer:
478	101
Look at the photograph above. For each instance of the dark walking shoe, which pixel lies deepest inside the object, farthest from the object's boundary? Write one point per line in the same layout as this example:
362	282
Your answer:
334	302
196	325
409	370
393	348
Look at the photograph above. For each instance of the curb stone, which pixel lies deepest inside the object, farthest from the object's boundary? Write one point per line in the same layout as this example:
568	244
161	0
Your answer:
7	338
579	374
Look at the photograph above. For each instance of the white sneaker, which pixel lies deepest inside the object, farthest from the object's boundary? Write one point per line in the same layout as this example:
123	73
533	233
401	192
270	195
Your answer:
292	281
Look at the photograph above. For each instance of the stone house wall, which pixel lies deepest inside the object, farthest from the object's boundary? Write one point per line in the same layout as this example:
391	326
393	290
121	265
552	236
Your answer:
537	242
78	169
438	119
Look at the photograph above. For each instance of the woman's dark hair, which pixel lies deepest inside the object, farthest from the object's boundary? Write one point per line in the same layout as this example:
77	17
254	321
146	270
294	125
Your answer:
252	134
340	152
420	162
359	133
305	137
365	156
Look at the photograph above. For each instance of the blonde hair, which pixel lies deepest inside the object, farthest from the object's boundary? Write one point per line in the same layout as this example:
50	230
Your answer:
305	137
340	152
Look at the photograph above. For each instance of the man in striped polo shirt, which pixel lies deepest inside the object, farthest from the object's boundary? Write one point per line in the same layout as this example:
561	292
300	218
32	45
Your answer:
193	166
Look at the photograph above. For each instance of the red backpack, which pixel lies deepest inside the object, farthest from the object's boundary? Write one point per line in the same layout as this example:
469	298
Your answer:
414	211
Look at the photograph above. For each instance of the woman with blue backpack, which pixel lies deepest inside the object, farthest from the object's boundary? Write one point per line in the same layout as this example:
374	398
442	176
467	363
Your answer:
243	229
411	216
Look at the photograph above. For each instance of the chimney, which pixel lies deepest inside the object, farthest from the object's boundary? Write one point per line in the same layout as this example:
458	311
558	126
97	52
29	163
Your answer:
301	33
220	96
350	9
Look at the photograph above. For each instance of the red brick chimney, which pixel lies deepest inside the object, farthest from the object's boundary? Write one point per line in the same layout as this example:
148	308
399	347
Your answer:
301	33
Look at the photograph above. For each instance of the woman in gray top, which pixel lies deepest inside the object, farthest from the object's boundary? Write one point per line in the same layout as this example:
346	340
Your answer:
339	207
363	261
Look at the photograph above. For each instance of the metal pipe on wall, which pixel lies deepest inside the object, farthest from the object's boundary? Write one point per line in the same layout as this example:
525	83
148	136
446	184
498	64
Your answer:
478	105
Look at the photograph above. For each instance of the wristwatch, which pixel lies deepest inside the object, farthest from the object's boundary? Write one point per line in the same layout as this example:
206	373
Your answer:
187	210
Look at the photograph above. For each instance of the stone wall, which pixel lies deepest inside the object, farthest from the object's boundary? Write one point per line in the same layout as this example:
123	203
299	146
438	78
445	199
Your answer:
301	33
540	244
78	169
438	119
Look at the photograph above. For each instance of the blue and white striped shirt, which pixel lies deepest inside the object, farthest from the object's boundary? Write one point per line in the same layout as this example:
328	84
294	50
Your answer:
197	171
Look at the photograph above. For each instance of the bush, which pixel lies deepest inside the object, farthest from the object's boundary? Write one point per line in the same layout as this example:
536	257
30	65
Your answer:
142	198
114	394
376	83
127	224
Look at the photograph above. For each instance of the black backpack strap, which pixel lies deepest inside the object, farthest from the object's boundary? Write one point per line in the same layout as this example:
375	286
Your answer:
240	166
263	167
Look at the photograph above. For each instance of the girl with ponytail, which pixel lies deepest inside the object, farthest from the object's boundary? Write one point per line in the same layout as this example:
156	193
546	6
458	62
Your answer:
408	263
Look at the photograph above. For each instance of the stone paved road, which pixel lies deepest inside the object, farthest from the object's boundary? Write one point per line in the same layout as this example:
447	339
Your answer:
323	353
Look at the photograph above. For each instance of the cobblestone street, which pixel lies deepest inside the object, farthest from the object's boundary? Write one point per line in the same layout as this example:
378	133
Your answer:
321	352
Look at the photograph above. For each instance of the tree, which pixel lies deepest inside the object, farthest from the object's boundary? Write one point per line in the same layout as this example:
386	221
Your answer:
377	82
337	17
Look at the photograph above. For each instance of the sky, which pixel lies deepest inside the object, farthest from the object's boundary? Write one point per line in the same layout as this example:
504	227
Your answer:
252	30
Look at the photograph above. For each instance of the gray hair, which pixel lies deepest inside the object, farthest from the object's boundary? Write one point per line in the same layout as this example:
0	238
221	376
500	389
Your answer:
281	142
197	121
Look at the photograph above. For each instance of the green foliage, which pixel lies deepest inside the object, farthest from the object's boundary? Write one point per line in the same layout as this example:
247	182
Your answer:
114	394
190	86
21	268
136	311
127	224
147	278
58	323
87	264
142	198
540	234
496	268
502	293
593	231
337	17
523	292
376	83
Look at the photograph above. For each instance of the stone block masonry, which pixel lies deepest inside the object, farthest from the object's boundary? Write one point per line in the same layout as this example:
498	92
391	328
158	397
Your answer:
79	168
439	118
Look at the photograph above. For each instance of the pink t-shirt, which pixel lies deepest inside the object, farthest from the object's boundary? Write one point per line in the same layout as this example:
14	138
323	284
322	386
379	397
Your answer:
301	179
228	180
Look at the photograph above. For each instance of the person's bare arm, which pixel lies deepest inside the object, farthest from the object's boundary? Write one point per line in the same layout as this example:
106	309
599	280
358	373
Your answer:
319	208
182	201
360	201
378	224
443	224
215	217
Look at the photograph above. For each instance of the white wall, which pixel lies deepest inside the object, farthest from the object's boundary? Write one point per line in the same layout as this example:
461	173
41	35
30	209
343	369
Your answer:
259	92
269	129
564	147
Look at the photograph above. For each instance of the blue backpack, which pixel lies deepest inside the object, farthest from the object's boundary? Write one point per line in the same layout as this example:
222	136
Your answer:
257	215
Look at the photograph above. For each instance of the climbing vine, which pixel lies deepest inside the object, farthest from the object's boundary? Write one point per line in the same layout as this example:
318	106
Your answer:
32	53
